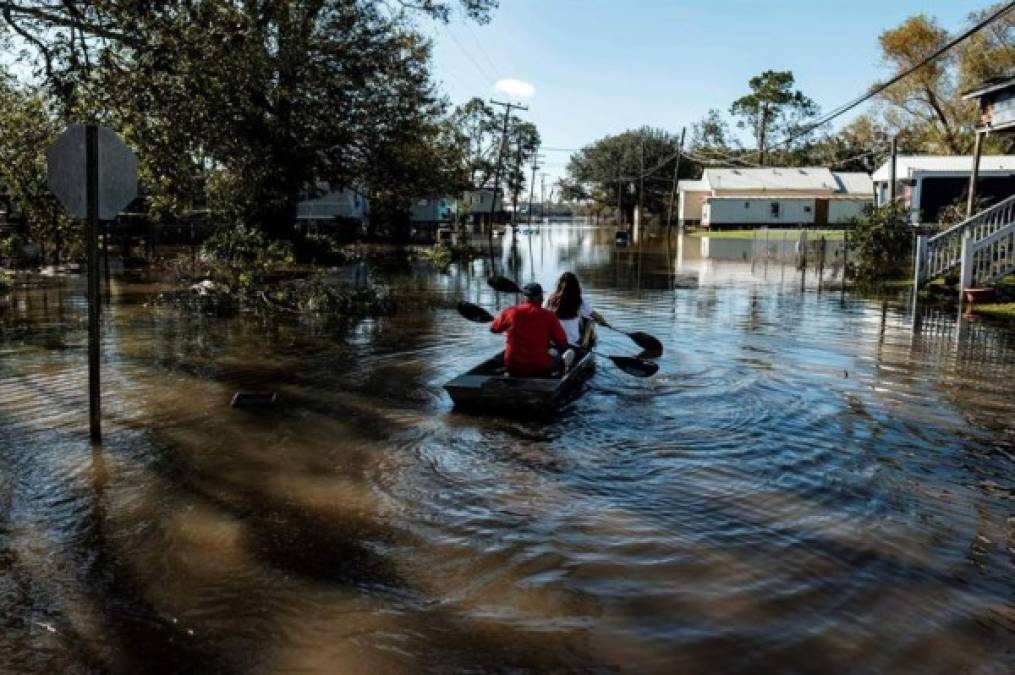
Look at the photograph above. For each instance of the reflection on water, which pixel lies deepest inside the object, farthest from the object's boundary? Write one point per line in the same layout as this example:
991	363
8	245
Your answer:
810	483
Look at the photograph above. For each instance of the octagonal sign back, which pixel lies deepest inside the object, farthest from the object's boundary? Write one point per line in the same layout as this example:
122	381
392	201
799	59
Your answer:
67	178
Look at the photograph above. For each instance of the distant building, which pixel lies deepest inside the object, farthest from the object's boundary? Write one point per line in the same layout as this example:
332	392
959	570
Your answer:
478	201
773	197
996	100
925	184
476	204
433	210
337	206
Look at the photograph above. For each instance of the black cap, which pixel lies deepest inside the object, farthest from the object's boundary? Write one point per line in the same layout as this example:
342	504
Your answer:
532	290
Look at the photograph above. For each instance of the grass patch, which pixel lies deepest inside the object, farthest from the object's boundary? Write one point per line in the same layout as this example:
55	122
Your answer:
773	235
1000	310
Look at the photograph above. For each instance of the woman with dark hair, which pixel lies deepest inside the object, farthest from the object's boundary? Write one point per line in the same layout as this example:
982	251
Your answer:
569	306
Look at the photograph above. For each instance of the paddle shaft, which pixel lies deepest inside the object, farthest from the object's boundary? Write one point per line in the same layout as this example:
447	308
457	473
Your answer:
643	340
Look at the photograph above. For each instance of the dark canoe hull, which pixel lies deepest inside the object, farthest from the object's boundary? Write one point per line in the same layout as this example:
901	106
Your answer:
487	387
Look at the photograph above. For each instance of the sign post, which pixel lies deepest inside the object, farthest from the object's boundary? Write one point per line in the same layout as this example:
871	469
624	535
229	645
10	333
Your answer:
92	233
94	175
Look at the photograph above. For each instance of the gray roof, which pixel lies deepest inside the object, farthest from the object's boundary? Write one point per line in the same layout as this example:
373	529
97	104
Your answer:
906	165
851	182
809	179
805	180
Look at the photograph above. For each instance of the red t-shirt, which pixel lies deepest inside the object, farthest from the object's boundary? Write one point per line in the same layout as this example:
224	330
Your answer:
530	330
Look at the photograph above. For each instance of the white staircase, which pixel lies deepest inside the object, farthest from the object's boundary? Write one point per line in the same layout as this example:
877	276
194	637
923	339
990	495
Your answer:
982	248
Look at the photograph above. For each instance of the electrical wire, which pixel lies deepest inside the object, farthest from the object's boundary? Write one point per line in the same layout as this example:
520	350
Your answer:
878	88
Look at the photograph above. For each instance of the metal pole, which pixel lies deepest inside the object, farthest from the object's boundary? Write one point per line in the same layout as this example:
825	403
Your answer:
676	177
514	193
620	206
641	186
532	188
500	156
542	197
971	204
92	236
891	186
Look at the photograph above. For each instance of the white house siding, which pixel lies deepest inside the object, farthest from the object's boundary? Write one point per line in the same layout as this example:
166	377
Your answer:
689	209
730	211
842	210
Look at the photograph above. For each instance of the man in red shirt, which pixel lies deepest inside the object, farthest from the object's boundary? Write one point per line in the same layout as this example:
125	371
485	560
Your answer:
531	331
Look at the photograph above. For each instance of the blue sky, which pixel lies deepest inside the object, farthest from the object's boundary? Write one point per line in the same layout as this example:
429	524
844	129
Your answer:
602	66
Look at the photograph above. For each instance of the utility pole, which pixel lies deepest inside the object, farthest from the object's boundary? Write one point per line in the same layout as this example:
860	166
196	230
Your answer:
641	185
971	204
676	177
532	185
514	193
891	186
620	205
542	197
500	154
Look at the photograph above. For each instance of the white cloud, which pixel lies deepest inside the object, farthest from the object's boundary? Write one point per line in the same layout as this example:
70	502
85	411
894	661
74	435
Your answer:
515	88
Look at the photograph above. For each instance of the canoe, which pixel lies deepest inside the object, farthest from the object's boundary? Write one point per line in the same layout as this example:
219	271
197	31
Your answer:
489	387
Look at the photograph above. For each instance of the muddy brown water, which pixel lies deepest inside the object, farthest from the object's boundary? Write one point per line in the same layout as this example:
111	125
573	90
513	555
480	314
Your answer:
811	483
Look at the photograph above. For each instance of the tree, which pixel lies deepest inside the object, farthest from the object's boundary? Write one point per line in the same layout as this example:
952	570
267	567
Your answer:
424	160
522	147
610	169
862	145
881	240
476	124
928	95
772	106
711	137
262	100
26	130
928	104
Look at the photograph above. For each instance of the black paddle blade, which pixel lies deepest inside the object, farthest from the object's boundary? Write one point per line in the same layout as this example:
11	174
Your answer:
649	343
636	367
474	312
503	285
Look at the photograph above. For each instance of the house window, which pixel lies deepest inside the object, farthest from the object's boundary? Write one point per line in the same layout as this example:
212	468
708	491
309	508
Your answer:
774	209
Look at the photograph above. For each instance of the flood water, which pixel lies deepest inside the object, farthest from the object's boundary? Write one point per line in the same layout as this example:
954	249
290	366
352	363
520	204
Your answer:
810	484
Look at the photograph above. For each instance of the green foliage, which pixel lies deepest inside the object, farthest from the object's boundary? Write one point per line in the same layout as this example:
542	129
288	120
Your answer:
955	213
242	256
773	106
26	130
880	243
246	108
928	104
323	294
479	128
440	255
711	137
595	171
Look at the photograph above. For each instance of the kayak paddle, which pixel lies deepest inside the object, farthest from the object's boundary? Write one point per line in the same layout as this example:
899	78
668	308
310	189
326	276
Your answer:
629	364
649	343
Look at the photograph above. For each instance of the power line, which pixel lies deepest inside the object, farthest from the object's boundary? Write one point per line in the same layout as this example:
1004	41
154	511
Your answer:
874	91
482	50
482	71
877	89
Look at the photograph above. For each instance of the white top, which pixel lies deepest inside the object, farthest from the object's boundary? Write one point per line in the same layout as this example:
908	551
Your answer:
572	327
907	165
